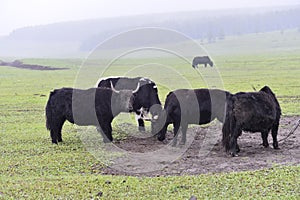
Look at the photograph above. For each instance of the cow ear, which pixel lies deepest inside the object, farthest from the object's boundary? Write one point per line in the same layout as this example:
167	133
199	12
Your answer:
113	89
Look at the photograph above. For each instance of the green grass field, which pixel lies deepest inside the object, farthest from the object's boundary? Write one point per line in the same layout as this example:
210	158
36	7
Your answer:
32	168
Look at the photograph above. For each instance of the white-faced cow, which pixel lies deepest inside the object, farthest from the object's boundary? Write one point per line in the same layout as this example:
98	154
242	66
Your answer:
251	112
184	106
202	60
95	106
146	99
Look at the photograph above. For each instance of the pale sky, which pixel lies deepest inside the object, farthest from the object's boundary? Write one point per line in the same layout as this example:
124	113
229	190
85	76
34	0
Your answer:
20	13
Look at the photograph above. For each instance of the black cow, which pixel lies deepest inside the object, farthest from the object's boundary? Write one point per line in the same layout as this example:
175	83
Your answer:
251	112
145	99
202	60
184	106
95	106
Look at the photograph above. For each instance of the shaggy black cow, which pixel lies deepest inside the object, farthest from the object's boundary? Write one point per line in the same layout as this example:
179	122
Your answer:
252	112
184	106
202	60
95	106
145	98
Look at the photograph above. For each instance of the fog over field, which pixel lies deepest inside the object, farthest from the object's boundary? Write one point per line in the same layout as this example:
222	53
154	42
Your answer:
76	34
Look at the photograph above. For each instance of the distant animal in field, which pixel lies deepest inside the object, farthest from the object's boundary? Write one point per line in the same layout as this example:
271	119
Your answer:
251	112
202	60
188	106
95	106
146	98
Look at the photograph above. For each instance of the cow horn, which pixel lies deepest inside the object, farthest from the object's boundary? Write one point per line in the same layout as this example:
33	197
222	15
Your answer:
113	89
137	88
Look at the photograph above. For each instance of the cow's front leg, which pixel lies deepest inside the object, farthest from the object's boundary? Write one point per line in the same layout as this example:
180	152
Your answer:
141	125
176	132
139	118
106	132
183	130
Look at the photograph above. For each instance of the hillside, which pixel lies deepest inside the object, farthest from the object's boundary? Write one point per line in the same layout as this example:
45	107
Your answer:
77	38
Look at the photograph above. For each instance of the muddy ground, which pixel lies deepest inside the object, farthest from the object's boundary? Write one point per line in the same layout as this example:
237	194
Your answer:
203	153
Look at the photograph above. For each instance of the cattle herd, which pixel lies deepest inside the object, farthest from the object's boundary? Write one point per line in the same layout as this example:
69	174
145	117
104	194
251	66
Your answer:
244	111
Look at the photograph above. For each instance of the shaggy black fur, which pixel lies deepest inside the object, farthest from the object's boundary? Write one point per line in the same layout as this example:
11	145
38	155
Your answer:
146	96
251	112
183	107
95	106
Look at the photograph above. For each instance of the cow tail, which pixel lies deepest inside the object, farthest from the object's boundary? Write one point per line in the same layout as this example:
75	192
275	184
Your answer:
49	114
227	126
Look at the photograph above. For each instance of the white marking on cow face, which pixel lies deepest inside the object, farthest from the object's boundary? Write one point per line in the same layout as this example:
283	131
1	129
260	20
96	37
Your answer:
145	114
137	117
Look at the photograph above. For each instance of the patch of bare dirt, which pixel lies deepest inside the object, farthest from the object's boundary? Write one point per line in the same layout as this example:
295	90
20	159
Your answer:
21	65
204	154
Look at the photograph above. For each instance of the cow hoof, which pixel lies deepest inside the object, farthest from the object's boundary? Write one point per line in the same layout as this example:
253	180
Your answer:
60	140
161	139
174	144
275	146
54	142
233	154
107	141
265	145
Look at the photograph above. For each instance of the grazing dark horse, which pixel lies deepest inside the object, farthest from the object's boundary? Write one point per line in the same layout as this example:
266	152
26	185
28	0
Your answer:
202	60
146	98
184	106
251	112
95	106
